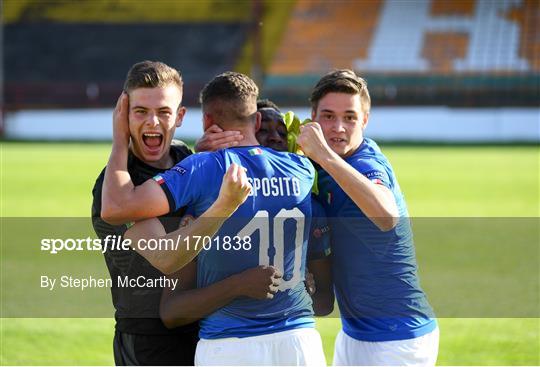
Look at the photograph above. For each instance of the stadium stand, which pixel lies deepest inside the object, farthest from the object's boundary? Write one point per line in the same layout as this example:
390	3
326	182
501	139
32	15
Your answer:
124	11
441	49
528	18
492	44
443	7
463	52
97	57
60	53
335	27
76	54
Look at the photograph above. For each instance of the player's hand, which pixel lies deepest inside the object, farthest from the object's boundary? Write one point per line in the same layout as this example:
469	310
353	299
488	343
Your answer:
121	120
260	282
215	138
312	142
310	283
186	220
235	188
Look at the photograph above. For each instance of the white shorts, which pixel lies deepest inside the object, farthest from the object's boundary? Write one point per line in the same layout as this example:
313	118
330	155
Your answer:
297	347
421	351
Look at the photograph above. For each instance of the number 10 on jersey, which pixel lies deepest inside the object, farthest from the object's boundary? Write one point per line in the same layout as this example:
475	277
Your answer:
262	222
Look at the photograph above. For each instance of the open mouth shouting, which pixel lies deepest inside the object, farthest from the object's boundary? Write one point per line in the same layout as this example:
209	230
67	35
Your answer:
152	142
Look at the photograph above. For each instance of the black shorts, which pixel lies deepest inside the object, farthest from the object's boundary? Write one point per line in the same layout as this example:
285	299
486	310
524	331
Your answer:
156	350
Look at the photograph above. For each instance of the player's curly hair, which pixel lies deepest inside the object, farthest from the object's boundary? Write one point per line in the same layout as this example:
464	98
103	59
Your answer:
152	74
231	97
341	81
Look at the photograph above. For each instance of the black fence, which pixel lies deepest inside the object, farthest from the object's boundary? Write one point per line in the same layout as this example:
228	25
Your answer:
459	90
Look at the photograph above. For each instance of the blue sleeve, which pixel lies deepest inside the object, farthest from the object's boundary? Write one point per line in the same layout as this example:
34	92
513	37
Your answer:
374	170
304	167
184	183
319	234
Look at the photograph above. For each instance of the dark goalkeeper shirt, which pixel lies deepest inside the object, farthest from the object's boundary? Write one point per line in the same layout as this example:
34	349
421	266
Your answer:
137	309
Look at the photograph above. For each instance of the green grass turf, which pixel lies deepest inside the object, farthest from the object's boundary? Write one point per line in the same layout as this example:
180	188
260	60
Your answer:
57	342
48	179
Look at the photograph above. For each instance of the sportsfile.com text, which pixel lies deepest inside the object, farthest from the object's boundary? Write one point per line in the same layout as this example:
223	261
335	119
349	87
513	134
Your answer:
118	243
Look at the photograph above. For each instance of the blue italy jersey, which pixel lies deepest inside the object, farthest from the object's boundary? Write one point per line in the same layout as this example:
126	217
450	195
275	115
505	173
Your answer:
375	272
270	228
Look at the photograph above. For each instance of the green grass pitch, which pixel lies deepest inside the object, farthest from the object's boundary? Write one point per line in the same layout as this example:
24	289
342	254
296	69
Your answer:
53	179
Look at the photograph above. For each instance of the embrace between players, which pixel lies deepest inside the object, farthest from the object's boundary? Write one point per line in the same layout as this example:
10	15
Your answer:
253	305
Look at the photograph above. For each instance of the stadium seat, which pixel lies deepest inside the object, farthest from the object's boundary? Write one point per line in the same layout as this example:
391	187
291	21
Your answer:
416	36
322	35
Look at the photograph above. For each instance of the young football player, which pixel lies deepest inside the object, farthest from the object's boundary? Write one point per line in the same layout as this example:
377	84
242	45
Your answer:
386	317
141	338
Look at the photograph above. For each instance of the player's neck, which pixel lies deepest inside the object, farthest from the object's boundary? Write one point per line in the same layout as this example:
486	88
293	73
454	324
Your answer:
165	162
249	139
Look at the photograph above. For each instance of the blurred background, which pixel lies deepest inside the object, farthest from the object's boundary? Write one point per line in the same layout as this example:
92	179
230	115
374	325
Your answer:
437	70
455	88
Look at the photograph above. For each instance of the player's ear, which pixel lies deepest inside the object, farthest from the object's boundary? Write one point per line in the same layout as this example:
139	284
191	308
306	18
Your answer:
258	121
365	120
180	115
313	114
207	121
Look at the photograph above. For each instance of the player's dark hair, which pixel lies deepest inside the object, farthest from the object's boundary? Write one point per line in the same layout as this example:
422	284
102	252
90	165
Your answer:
231	97
266	103
341	81
152	74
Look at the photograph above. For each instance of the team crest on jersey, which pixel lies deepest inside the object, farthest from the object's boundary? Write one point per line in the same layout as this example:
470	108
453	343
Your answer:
255	151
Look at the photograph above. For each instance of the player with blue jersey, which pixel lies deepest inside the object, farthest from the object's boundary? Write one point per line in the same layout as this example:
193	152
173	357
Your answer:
270	228
273	134
177	306
386	317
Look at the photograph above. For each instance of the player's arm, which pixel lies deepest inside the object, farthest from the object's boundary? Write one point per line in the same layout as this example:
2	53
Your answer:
323	292
215	138
234	190
375	201
121	200
185	304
